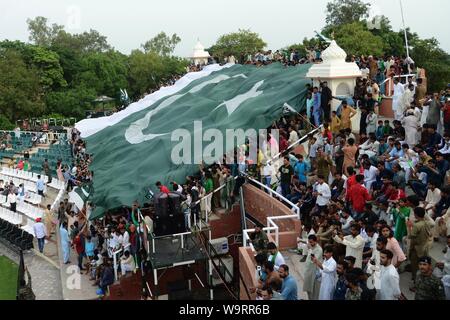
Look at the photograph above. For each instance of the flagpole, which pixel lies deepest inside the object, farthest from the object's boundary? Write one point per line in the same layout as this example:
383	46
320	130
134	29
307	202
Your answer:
404	29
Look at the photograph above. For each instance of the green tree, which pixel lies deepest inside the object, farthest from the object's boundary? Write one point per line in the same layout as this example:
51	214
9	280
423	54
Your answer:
106	73
162	44
93	41
147	70
427	54
394	43
44	60
71	102
5	124
355	39
40	33
239	43
20	90
340	12
49	69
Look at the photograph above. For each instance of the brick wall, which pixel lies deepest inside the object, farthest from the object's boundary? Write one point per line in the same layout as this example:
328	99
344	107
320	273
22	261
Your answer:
261	205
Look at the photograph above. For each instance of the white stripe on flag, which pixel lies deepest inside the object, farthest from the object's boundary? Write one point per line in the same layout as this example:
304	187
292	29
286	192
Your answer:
88	127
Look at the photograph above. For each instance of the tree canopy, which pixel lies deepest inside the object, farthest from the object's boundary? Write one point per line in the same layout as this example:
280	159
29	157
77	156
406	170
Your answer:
237	43
340	12
62	73
162	44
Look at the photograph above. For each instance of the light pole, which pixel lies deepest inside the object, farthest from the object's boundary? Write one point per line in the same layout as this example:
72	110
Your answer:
404	29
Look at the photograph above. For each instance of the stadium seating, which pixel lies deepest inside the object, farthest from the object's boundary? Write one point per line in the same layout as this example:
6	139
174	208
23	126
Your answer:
15	235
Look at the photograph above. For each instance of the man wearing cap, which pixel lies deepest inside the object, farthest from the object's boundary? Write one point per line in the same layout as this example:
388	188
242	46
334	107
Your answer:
428	286
40	232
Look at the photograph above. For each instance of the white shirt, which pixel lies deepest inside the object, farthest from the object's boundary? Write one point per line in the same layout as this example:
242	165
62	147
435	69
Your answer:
365	72
328	279
267	170
354	246
12	198
373	282
324	194
389	283
370	174
279	260
126	239
39	230
346	223
399	89
293	137
433	197
373	241
446	148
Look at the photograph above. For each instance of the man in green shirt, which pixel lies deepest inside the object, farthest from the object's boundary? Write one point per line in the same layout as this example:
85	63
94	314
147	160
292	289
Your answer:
428	286
324	164
418	233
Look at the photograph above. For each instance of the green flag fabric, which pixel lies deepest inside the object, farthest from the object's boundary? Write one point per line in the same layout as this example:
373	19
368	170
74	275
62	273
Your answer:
131	156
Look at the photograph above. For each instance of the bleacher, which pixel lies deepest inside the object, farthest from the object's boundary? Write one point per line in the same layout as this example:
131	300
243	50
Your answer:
16	228
53	154
11	231
17	144
28	179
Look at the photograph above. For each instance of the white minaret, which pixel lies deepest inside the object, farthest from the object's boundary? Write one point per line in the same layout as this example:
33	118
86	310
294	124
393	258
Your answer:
199	56
340	75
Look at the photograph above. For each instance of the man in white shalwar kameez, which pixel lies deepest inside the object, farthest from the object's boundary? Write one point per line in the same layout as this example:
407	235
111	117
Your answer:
405	103
311	284
399	89
328	274
389	278
354	244
411	124
374	265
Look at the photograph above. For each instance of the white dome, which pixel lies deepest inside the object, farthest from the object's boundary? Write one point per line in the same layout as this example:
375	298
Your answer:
334	53
334	65
199	47
199	51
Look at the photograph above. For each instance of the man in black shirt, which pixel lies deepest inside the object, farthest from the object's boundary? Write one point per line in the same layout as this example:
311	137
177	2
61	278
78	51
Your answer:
399	131
337	186
434	141
287	173
325	101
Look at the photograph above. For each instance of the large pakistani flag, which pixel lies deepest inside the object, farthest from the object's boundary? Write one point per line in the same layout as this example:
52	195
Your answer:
133	151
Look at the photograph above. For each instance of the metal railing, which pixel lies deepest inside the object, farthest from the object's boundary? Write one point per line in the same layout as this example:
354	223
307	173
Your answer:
271	225
271	221
49	136
299	141
390	80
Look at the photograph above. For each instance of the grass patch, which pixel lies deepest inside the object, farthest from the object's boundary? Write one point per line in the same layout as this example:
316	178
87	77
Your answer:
8	279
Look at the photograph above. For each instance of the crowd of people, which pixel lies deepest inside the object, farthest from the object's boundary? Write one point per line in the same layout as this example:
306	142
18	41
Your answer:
372	204
373	198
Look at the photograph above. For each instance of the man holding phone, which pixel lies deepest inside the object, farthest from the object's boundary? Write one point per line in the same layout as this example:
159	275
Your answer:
311	283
